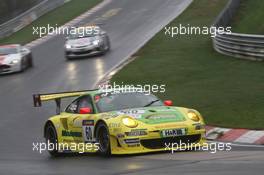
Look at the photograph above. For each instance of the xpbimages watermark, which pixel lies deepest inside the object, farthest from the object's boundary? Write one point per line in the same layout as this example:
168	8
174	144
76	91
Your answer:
130	88
56	30
174	31
60	147
210	147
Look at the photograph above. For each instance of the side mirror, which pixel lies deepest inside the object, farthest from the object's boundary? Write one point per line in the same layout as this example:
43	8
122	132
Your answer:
102	33
168	103
24	50
85	110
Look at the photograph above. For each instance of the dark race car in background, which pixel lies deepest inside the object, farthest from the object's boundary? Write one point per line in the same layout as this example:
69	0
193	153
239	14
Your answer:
14	58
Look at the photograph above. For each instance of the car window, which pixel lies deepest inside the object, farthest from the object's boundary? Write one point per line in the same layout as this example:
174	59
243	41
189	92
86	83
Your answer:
85	102
7	51
83	35
81	102
73	107
119	101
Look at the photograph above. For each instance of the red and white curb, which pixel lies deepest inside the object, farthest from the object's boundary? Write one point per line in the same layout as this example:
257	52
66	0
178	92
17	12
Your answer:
235	135
69	24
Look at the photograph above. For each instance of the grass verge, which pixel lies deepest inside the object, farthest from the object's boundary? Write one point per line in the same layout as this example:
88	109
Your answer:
227	91
249	18
58	16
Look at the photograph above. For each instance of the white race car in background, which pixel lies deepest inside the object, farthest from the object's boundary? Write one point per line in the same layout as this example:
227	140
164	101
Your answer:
14	58
87	44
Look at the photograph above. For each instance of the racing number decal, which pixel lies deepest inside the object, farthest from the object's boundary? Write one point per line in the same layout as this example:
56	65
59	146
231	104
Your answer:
88	133
88	130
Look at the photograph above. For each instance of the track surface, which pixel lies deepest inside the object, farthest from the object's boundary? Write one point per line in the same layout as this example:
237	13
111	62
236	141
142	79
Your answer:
129	24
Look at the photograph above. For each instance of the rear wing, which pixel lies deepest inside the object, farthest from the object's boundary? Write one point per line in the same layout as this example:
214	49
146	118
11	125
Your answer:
39	98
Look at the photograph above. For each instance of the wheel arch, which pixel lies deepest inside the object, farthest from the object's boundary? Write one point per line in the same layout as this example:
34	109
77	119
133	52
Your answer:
49	122
96	125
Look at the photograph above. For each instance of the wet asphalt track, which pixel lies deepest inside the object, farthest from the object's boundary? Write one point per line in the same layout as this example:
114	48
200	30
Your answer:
129	24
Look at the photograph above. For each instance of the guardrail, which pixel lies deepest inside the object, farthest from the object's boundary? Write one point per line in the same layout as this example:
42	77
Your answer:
28	17
240	45
236	44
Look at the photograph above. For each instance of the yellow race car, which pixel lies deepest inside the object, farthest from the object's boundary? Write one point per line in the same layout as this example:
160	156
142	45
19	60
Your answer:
119	123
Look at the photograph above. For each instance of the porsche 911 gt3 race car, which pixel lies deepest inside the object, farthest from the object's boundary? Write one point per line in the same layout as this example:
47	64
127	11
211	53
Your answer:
120	123
14	58
87	42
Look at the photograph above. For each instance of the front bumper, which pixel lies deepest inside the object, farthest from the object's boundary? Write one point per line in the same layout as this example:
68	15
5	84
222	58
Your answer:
7	68
82	52
153	142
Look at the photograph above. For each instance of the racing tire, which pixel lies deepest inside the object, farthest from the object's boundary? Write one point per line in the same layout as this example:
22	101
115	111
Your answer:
23	65
30	61
51	137
107	45
103	138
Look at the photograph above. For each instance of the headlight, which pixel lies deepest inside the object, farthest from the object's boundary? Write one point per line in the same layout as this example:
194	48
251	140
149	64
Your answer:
129	122
96	42
193	116
14	61
67	46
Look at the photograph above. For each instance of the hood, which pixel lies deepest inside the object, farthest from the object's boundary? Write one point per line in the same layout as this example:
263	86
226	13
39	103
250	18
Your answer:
81	41
154	115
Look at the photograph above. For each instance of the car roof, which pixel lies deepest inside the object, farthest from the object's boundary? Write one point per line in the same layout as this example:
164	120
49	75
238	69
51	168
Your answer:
88	25
121	90
10	46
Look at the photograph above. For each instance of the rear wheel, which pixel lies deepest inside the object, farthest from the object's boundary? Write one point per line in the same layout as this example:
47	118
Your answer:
51	139
103	138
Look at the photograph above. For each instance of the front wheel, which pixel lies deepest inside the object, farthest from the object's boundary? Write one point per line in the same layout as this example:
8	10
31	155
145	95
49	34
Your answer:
23	65
30	61
103	138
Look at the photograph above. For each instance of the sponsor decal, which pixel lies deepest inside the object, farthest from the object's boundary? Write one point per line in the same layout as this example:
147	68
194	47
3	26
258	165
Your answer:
166	109
134	145
133	113
169	126
88	130
161	116
131	141
136	132
70	140
88	122
67	133
114	125
173	132
108	115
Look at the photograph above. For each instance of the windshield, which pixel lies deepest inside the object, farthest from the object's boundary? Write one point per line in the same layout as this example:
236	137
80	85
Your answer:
7	51
83	34
114	102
